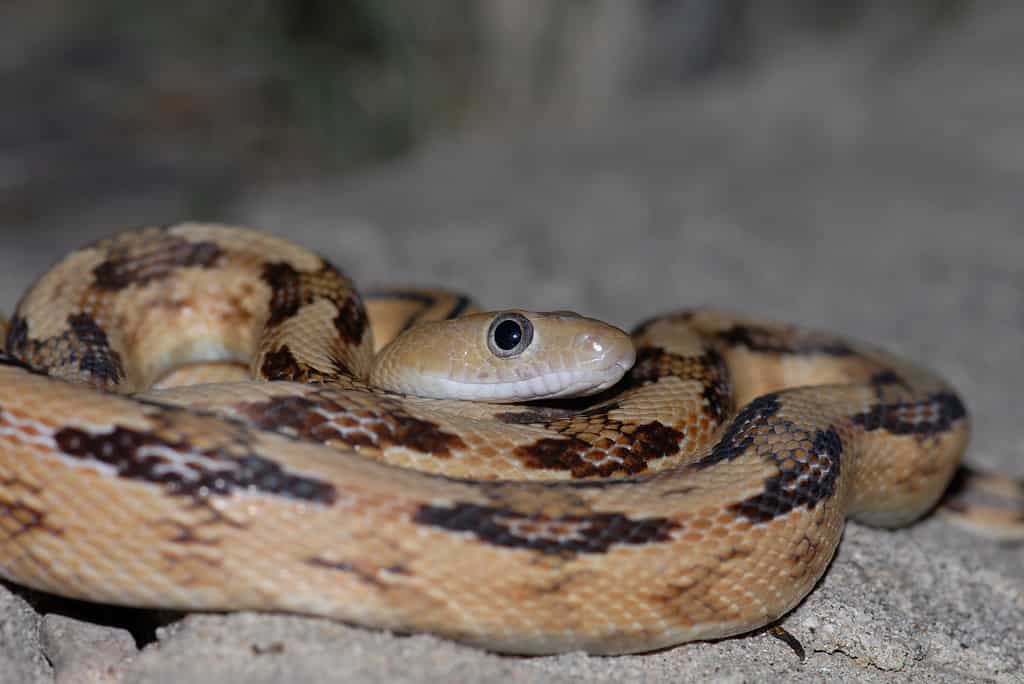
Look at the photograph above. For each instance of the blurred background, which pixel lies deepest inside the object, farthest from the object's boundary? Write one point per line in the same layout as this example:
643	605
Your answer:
201	99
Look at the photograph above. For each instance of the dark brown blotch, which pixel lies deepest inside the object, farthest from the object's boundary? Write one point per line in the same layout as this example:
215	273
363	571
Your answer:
320	419
281	364
549	453
592	533
17	334
739	435
654	440
884	380
293	416
96	358
630	454
136	455
806	482
291	289
652	364
129	265
351	321
84	345
424	436
784	341
933	415
717	390
286	294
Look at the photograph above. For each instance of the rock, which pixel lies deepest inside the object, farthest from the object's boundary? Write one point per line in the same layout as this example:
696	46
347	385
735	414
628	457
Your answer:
83	652
21	658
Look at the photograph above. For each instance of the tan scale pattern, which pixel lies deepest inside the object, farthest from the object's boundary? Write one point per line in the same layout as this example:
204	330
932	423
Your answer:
702	496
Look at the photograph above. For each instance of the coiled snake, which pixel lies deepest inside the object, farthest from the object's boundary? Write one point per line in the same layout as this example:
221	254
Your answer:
701	495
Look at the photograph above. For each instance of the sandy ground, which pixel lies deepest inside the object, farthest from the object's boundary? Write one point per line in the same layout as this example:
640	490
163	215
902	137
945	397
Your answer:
881	204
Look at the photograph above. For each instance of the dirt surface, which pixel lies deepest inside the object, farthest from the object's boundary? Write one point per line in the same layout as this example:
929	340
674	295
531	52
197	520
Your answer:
880	203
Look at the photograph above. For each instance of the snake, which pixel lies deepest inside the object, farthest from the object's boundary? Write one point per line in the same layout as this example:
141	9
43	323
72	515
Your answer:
208	417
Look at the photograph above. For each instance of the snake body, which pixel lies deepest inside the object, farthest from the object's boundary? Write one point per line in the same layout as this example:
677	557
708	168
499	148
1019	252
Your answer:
701	496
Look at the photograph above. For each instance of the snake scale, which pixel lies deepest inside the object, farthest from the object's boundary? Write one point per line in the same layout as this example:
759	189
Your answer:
700	496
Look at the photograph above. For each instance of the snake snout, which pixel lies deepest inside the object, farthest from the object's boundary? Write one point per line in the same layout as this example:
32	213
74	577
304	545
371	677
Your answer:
611	354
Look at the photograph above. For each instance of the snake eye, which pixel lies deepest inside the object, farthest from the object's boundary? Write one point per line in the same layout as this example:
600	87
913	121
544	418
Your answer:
509	335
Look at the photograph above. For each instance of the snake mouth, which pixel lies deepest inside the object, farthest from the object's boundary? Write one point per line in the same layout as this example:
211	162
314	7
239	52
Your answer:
586	380
552	385
540	383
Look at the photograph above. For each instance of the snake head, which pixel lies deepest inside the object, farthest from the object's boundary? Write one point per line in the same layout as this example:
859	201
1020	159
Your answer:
505	356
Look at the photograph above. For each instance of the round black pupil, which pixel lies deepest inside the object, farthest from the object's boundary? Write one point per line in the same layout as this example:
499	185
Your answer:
507	335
